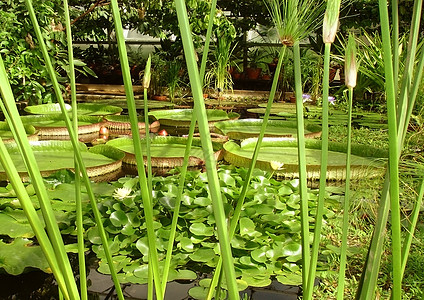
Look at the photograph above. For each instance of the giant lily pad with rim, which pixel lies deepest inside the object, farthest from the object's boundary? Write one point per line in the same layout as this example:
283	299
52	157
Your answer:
89	109
7	137
54	125
52	156
166	152
182	117
280	156
247	128
121	124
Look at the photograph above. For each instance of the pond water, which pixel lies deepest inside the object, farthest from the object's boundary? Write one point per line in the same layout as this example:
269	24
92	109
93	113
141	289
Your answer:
38	285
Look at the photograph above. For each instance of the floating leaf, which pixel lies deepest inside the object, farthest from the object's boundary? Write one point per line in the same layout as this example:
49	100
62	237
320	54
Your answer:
143	246
257	281
201	229
13	228
290	279
259	254
198	292
293	251
202	255
21	254
118	218
203	201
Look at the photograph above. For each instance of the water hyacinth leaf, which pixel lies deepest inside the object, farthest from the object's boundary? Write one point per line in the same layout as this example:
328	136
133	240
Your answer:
119	262
259	255
143	246
293	225
293	251
21	254
182	275
203	255
202	201
119	218
257	281
247	261
141	271
93	236
168	202
285	190
201	229
247	227
198	292
275	252
290	279
128	229
227	179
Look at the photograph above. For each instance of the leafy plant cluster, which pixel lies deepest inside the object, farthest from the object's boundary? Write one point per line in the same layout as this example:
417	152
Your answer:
266	244
22	56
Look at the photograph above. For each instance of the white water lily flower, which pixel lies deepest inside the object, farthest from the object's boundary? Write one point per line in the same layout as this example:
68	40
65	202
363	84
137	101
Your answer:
122	193
276	165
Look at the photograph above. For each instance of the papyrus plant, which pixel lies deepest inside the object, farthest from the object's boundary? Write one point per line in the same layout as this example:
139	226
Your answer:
330	25
400	102
294	20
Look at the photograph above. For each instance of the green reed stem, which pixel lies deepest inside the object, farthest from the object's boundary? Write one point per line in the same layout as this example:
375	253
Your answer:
184	167
146	83
207	40
307	294
237	211
346	205
210	162
395	41
144	186
393	152
75	143
176	212
147	127
78	201
369	277
303	189
412	225
408	75
15	124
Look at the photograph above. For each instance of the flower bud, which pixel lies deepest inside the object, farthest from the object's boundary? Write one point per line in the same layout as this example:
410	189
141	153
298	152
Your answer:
351	69
331	21
147	73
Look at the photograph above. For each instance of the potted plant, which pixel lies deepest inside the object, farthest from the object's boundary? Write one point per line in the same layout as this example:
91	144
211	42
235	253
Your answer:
256	62
157	82
172	77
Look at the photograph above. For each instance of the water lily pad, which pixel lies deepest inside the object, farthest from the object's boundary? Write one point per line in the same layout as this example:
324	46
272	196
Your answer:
120	124
54	125
166	152
46	109
290	279
182	117
280	156
56	155
89	109
202	255
13	227
7	137
246	128
20	254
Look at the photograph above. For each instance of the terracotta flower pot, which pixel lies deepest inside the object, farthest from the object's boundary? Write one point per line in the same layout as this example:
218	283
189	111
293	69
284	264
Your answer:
253	73
159	97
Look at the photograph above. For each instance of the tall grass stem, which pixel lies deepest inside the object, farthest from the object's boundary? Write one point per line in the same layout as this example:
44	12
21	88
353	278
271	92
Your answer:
210	162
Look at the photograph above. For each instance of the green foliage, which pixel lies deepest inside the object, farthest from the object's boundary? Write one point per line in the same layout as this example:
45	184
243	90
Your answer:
266	243
23	59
